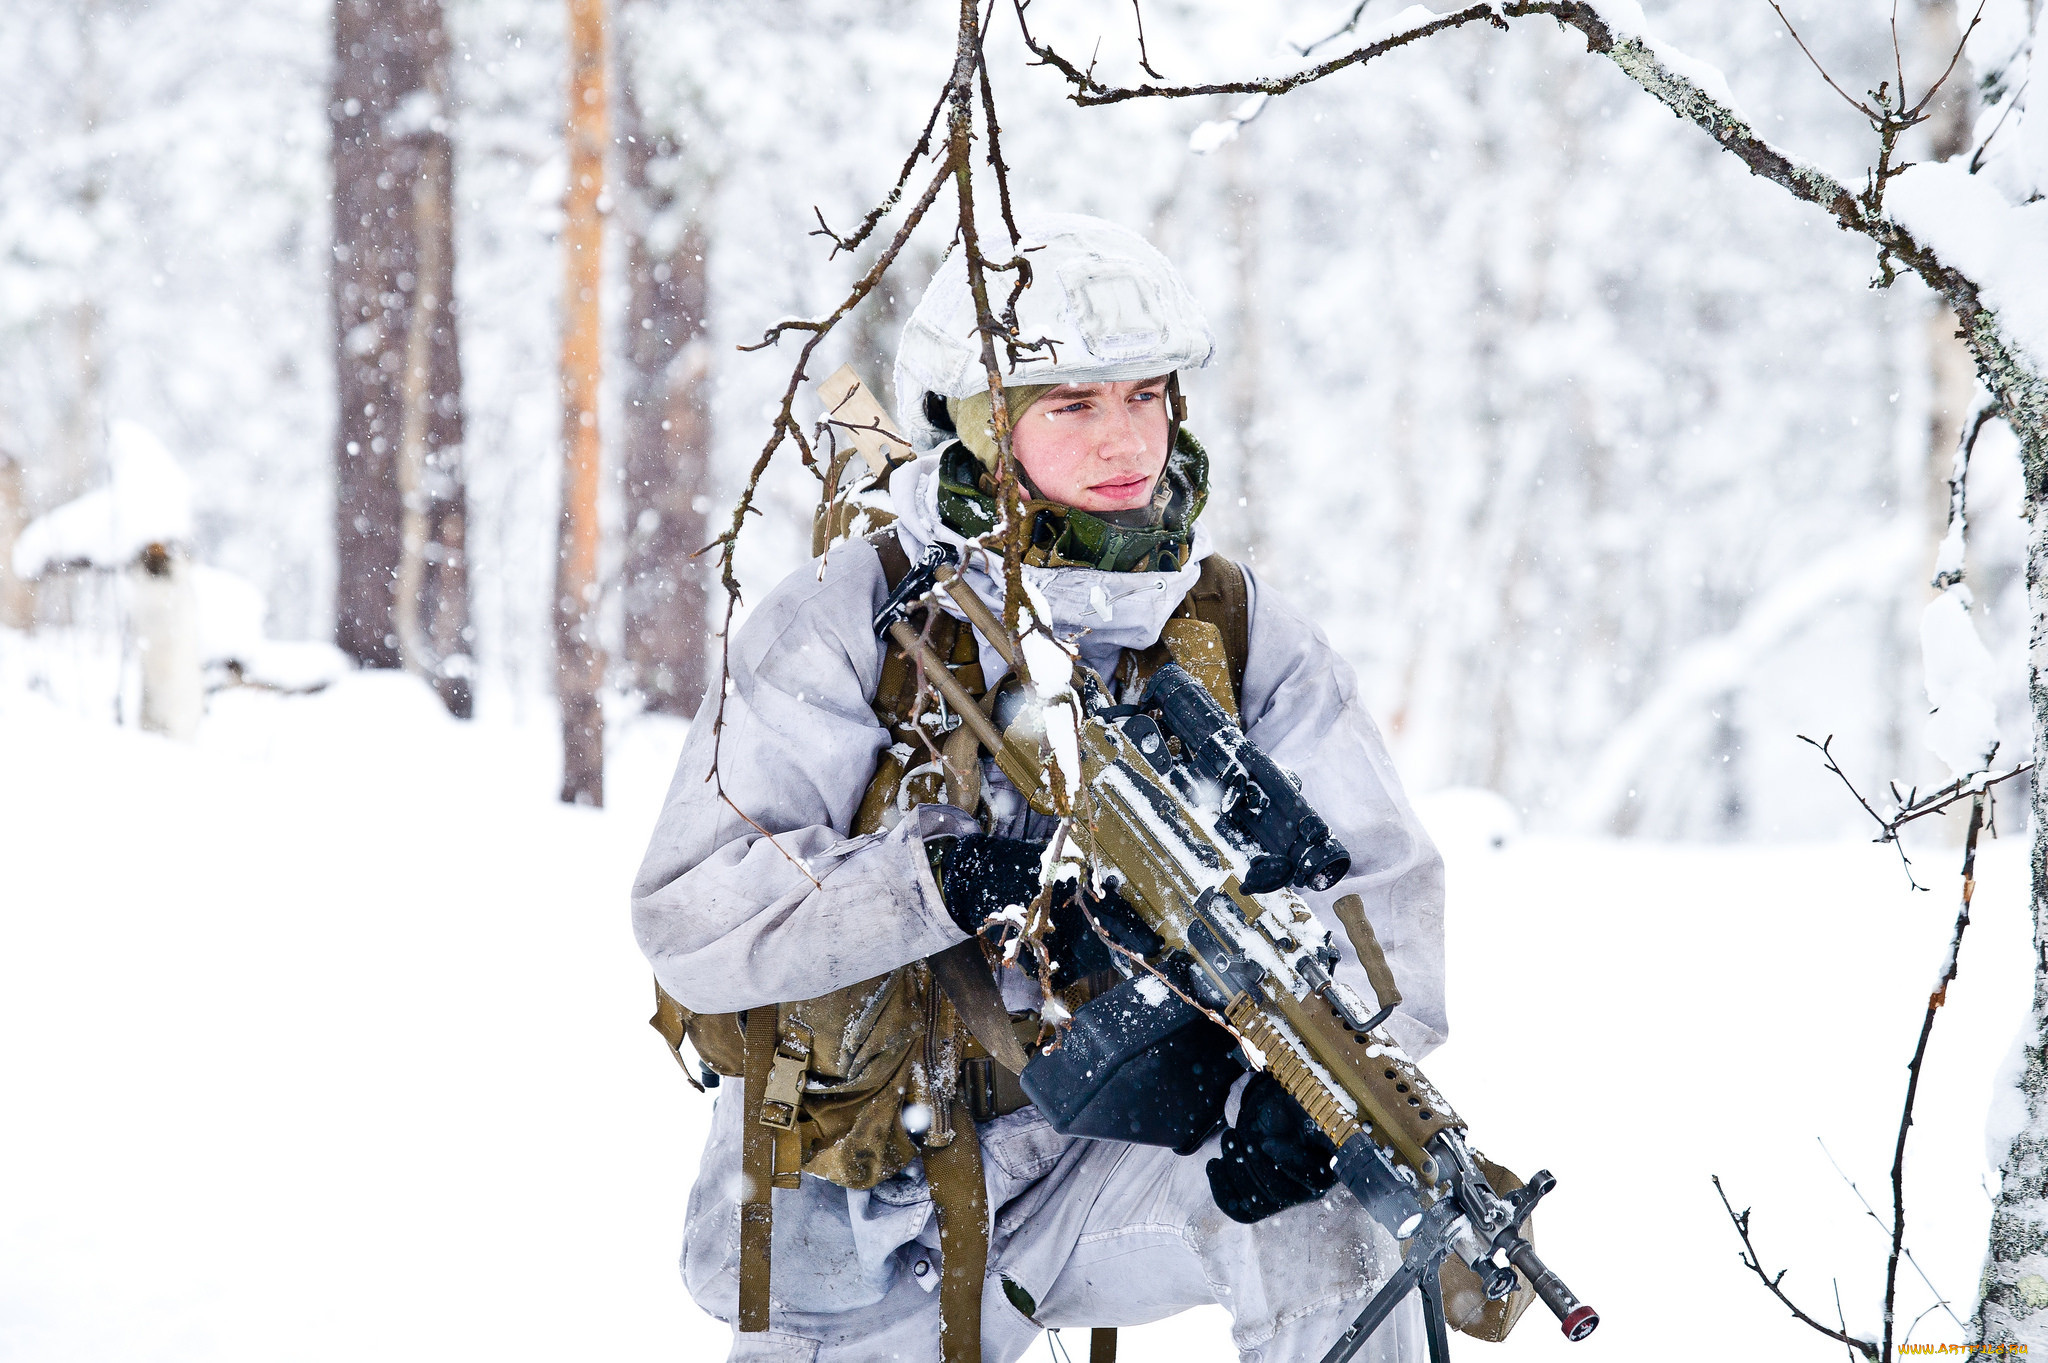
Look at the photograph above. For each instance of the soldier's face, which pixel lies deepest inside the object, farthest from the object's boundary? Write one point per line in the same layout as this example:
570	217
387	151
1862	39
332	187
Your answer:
1095	446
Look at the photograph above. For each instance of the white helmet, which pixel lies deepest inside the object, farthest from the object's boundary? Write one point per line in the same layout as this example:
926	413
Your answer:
1111	305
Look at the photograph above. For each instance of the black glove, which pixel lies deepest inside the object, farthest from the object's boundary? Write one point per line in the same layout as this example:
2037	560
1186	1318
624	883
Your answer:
980	876
1273	1158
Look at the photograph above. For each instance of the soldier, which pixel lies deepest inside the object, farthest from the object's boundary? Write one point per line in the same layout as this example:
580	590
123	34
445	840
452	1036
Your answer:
833	866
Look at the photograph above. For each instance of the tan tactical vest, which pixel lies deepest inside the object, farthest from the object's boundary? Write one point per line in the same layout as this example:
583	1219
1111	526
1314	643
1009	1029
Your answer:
826	1080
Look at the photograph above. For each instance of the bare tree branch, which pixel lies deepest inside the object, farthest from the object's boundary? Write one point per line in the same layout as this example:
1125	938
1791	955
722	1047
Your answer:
895	195
1144	58
1858	105
1089	91
1752	1263
1350	25
2021	390
957	99
1914	806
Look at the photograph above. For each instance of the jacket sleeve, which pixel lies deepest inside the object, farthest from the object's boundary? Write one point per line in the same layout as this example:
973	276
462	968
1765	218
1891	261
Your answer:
765	899
1301	705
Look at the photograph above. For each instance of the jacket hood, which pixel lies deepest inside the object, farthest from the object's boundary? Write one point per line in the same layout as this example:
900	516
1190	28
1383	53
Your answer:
1096	612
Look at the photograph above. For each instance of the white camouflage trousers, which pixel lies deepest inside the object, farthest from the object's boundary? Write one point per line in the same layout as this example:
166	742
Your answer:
1095	1232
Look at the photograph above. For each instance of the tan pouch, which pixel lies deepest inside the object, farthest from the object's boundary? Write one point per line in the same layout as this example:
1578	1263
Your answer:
1465	1305
870	1033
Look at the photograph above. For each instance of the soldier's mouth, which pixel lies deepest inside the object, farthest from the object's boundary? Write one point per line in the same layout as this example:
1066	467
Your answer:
1123	488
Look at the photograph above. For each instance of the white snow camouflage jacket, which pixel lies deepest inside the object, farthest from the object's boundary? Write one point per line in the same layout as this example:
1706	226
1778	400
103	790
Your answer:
731	919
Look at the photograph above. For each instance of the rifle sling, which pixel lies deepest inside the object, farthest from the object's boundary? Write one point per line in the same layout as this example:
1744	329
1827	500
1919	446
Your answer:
757	1172
960	1197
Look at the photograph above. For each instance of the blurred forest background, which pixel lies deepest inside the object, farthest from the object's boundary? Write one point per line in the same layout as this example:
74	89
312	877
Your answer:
1597	457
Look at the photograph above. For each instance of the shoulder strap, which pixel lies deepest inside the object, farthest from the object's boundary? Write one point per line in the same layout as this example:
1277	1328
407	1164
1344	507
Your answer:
895	563
1219	597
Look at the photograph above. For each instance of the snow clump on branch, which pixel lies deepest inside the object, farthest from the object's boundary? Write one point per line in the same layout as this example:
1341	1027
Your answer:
1961	681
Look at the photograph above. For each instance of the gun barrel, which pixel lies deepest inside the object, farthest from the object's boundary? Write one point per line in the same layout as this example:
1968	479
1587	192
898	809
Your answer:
1575	1318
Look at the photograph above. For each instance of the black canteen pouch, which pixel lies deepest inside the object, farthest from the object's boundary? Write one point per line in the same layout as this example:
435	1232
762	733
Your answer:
1138	1064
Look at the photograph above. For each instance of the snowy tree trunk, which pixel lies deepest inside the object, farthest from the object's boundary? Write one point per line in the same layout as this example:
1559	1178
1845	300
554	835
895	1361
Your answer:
395	339
579	661
163	614
16	602
431	596
667	416
2014	1305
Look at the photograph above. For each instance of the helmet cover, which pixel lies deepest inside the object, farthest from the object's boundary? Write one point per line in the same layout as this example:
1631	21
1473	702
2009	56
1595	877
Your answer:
1111	306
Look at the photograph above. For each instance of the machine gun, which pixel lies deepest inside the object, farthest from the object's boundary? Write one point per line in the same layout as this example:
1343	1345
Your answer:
1207	839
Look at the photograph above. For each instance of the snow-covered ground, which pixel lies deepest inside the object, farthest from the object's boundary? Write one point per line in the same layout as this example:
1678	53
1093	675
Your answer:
324	1038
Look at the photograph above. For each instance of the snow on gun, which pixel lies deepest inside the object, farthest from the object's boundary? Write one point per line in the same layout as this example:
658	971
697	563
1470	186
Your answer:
1205	836
1187	835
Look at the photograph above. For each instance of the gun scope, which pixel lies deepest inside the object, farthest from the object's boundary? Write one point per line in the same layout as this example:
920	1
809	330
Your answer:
1260	799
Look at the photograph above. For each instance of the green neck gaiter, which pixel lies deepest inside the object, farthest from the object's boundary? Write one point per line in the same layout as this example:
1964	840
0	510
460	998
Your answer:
1152	539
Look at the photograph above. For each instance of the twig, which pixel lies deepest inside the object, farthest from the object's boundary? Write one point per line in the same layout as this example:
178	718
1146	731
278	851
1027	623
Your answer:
1977	156
1907	1338
1914	806
1887	833
895	195
1958	488
1858	105
1949	70
1350	25
1751	1262
1144	59
1878	1221
1898	56
1088	91
1120	949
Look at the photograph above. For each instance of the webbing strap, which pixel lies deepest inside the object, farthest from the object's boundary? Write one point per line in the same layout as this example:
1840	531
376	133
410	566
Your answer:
960	1198
757	1172
1102	1344
1220	597
895	563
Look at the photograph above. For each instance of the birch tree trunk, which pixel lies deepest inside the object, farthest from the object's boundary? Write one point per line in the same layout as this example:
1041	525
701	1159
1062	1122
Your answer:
667	417
399	503
431	597
579	661
2013	1308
